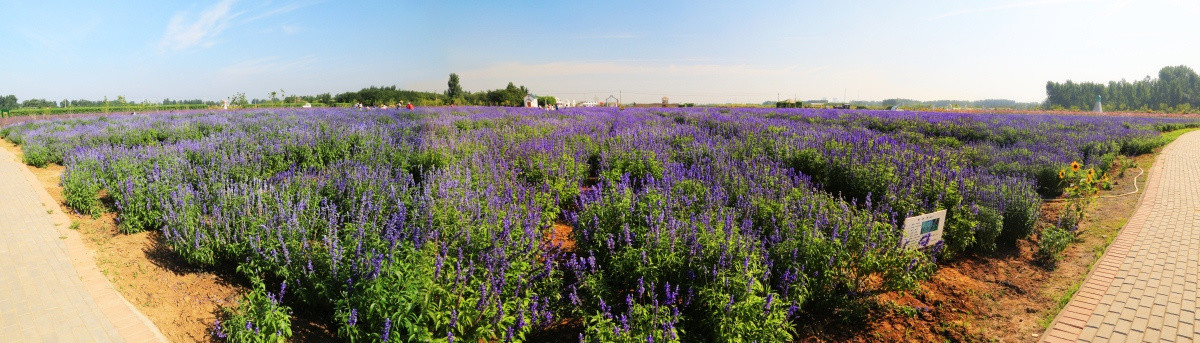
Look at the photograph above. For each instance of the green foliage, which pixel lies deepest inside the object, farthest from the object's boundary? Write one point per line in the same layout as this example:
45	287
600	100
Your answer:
1053	241
81	190
1139	146
1176	90
258	317
37	156
1080	188
453	88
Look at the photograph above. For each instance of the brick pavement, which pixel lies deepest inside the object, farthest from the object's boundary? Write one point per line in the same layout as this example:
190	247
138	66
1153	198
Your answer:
50	288
1144	288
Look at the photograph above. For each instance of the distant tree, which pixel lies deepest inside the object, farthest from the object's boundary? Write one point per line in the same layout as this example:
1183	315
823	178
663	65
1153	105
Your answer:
239	99
8	102
453	88
1177	88
273	97
38	103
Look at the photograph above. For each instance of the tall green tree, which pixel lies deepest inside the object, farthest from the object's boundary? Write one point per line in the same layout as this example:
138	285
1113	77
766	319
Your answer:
1177	89
453	88
8	102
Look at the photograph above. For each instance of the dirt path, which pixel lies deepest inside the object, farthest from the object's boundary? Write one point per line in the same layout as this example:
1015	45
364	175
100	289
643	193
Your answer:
1145	286
50	288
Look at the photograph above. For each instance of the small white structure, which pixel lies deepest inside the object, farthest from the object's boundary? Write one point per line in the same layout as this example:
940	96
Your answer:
588	104
307	105
612	101
531	100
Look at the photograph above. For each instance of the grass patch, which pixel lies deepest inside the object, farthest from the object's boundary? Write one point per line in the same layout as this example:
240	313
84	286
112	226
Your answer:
1109	230
1060	302
1169	137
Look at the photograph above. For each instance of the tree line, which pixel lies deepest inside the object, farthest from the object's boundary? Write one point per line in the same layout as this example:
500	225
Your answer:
510	95
1175	90
10	102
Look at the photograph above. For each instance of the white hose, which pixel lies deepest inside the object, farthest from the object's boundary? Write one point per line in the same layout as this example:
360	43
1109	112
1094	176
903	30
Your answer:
1135	186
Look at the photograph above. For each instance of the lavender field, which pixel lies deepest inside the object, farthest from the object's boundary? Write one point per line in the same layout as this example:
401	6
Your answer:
696	224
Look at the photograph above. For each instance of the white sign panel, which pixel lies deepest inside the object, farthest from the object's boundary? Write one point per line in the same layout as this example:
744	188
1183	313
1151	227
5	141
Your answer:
924	230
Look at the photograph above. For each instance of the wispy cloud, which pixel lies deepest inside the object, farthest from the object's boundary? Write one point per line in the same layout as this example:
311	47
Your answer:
1007	6
570	68
273	11
625	35
61	35
267	65
184	32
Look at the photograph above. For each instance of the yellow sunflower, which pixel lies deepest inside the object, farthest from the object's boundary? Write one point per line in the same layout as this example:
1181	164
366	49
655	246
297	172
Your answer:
1089	179
1075	166
1062	173
1091	171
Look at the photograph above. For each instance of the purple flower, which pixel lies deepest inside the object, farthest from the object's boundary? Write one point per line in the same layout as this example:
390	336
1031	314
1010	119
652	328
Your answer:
217	330
387	329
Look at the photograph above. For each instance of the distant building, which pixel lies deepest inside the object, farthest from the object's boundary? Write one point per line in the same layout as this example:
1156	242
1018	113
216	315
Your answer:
665	102
589	104
612	101
531	100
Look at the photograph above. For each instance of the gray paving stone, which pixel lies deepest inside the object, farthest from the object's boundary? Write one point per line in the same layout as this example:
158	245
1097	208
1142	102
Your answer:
1154	289
41	294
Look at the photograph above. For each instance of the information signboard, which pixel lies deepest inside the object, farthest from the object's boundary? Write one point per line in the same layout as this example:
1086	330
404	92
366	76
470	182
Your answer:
924	230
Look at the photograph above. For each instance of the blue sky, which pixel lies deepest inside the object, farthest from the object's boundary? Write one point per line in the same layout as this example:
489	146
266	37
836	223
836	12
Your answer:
690	51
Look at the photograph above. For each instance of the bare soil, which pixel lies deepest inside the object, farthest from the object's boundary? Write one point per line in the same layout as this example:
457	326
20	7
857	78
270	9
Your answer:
181	300
1010	296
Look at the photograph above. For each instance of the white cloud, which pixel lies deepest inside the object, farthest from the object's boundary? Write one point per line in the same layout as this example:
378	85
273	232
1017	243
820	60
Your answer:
61	34
568	69
644	81
624	35
290	29
266	65
1011	5
281	10
184	32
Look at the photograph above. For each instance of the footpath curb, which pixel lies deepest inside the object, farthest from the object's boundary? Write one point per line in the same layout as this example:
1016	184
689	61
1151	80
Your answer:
130	323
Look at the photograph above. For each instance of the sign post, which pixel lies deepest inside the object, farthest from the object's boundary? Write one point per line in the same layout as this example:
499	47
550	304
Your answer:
924	230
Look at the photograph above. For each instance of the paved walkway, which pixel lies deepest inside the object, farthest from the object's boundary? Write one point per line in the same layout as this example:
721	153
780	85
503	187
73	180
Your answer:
1144	288
50	288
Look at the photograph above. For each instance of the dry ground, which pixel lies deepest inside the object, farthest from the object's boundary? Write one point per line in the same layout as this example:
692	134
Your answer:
181	300
1007	297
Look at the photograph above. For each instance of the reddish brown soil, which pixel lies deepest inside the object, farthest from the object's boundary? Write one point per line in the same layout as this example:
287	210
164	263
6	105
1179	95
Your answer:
560	236
181	300
1008	297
